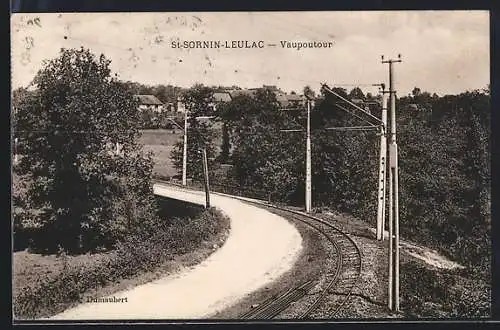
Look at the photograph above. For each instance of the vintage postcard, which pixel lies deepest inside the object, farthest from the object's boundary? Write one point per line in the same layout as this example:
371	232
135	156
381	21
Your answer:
251	165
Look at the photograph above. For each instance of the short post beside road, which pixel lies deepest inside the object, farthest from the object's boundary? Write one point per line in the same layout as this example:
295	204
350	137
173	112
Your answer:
184	153
205	176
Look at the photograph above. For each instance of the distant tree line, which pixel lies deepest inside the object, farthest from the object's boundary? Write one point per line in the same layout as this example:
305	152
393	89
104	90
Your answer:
164	93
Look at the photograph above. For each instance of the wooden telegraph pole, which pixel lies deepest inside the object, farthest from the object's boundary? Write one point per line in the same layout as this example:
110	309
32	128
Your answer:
16	140
16	157
184	154
393	301
205	176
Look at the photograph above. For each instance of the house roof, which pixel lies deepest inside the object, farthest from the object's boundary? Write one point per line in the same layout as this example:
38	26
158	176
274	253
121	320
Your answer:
281	98
357	101
148	100
287	99
271	87
246	92
295	97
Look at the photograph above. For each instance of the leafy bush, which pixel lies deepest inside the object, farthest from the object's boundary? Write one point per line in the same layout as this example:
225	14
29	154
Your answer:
439	293
150	119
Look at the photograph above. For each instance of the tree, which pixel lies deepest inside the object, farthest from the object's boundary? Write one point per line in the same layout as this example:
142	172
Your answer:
356	93
344	163
258	151
308	92
161	92
78	183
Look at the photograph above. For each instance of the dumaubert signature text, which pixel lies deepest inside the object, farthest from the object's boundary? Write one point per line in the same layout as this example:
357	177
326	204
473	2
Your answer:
106	300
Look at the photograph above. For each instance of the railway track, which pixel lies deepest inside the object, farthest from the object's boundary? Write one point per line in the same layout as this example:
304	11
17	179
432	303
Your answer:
338	285
343	277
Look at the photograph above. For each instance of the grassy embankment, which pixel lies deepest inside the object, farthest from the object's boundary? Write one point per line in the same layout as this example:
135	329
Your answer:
431	285
44	285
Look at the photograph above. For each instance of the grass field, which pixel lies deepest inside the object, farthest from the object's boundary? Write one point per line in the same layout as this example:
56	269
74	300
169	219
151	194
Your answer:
161	142
28	267
161	137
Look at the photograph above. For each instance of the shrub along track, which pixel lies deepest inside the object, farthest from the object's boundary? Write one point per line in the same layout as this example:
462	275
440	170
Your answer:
338	284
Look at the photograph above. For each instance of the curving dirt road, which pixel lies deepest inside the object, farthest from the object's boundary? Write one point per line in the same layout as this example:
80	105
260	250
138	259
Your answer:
260	247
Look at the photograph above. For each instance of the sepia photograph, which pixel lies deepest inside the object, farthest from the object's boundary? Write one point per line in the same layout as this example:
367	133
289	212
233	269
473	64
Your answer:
287	165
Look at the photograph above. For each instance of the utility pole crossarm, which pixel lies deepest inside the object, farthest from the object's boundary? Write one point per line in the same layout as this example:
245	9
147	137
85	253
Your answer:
202	117
391	60
294	122
352	128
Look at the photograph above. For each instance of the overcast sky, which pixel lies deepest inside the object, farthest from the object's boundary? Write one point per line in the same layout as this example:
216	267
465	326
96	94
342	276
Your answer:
442	51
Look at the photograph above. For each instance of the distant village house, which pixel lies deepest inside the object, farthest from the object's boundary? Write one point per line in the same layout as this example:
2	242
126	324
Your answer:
150	102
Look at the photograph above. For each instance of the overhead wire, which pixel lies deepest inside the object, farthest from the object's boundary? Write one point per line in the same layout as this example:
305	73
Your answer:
296	24
354	114
352	104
